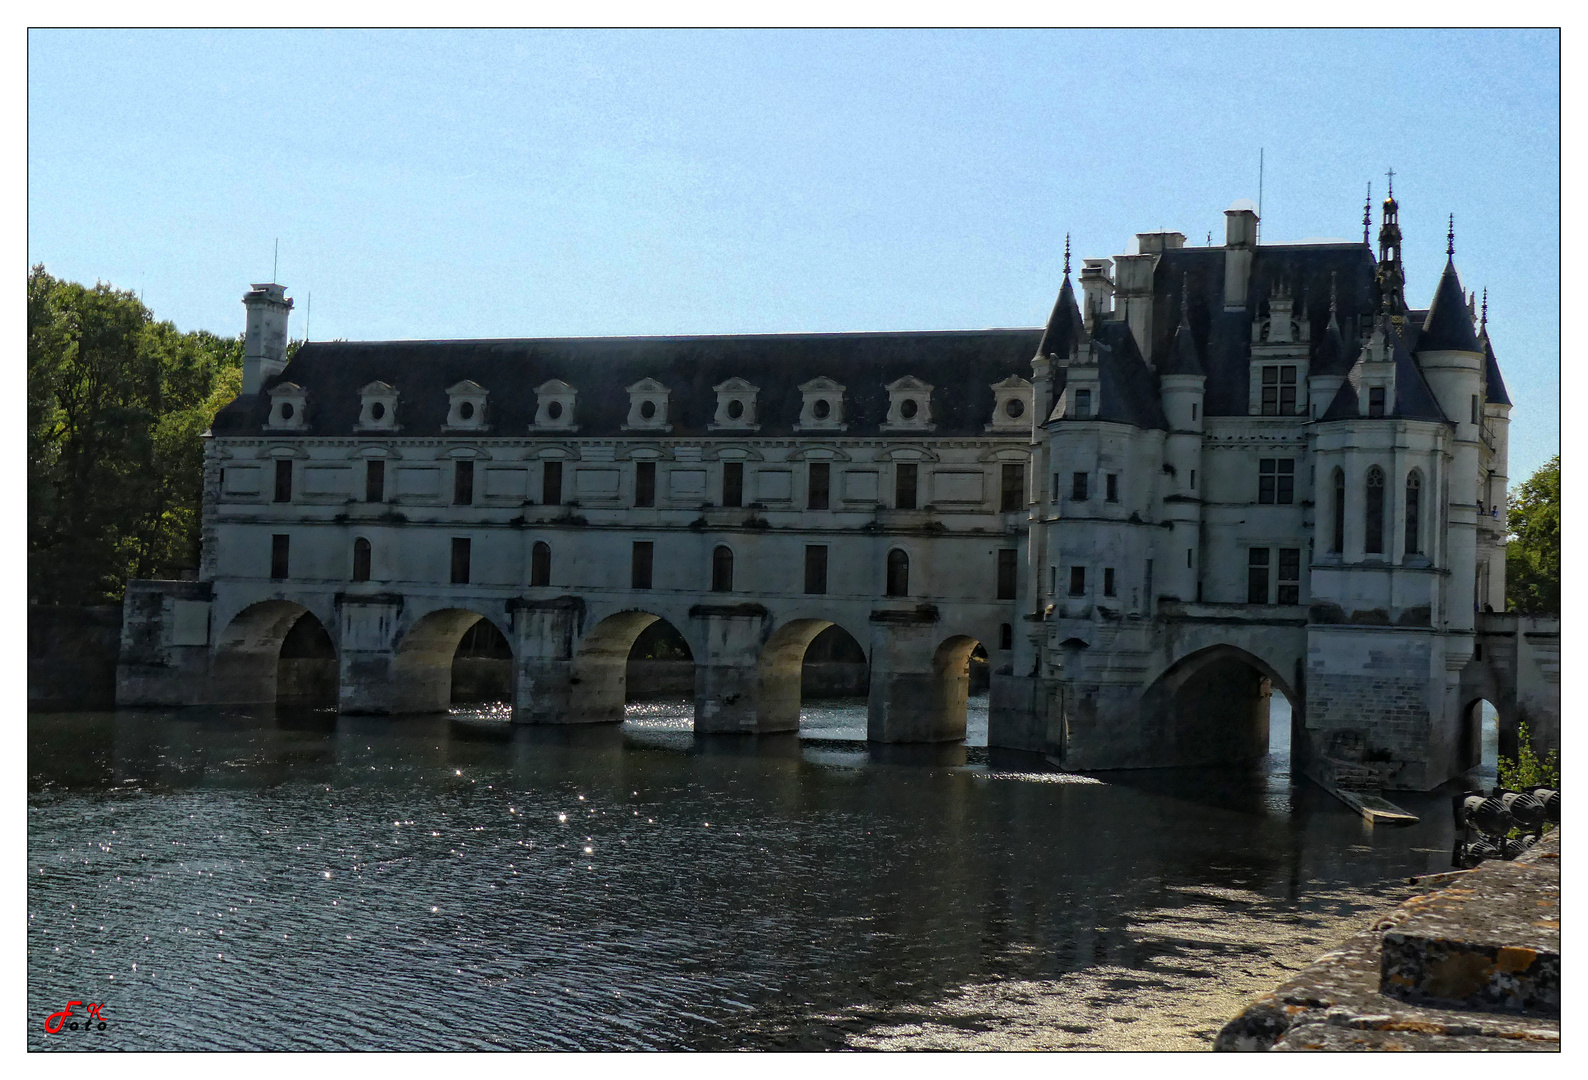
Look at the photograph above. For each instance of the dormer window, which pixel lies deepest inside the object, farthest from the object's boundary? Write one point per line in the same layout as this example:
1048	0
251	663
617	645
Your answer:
554	402
1081	405
1375	401
1012	402
288	407
823	407
378	407
909	405
648	407
735	406
466	407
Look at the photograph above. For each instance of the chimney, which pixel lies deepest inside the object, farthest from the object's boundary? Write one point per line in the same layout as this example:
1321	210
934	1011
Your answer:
1098	288
1240	237
265	341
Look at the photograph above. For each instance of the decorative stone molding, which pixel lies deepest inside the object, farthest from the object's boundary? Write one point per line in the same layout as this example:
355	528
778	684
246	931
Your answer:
466	407
823	407
1012	403
378	408
909	405
735	406
647	406
289	408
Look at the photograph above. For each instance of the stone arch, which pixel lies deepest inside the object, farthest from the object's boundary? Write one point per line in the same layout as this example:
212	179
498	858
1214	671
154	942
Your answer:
780	669
1211	707
421	668
951	675
599	684
248	654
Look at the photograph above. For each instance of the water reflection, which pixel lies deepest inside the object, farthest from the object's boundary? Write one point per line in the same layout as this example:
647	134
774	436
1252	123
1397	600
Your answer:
237	878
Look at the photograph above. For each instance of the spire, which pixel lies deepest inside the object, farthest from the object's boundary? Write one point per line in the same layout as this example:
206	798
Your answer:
1063	332
1391	277
1484	325
1448	326
1066	256
1450	240
1367	214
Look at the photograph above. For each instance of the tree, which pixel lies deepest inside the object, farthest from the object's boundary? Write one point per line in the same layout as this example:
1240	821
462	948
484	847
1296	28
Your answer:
1532	557
117	407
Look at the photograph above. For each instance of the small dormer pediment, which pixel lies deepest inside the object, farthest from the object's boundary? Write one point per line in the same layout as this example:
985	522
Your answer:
1012	403
736	400
466	401
377	407
909	405
289	407
823	406
554	406
648	400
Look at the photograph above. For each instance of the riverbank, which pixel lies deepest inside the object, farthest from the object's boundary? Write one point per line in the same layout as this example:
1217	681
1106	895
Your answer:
1473	964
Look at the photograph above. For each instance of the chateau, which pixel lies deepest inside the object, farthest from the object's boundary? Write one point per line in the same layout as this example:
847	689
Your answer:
1216	471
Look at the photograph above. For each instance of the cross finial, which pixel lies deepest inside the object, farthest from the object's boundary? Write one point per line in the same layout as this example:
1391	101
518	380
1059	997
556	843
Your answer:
1066	254
1391	174
1367	213
1450	238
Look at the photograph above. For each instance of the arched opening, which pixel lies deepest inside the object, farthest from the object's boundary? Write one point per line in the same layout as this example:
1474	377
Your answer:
722	569
898	573
251	662
540	564
361	559
959	668
819	660
1214	707
1480	742
482	668
1373	513
423	665
632	655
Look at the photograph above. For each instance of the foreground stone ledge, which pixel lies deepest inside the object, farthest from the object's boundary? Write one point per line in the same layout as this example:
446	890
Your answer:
1338	1002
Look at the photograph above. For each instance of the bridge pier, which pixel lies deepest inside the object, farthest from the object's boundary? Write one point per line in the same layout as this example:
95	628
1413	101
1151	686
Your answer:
739	686
544	635
366	682
917	691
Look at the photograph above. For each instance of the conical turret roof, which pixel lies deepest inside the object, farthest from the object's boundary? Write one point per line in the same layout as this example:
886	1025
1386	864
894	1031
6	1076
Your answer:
1449	323
1064	325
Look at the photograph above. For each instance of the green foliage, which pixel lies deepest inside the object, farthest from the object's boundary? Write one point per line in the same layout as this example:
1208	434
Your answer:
1527	771
117	407
1532	558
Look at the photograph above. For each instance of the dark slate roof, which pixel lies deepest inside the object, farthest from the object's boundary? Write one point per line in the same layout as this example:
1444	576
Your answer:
1223	338
1414	399
1127	387
1183	358
1332	356
961	365
1065	326
1494	387
1449	323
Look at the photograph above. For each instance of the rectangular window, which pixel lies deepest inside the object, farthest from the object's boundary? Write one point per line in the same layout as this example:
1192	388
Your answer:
1108	581
1276	480
820	473
645	483
551	484
1193	479
1008	572
904	486
640	565
1083	404
1257	576
816	569
1006	637
1474	408
1375	401
1289	576
1279	390
1056	487
374	481
1112	484
278	556
1077	581
1078	487
460	560
733	483
1193	412
1012	492
283	481
463	483
540	564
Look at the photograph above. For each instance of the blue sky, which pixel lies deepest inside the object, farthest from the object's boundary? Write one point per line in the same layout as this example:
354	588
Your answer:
504	184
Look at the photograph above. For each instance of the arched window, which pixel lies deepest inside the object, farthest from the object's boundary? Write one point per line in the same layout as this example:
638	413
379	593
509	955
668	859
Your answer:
722	569
1373	518
1414	507
898	573
540	563
1337	542
361	559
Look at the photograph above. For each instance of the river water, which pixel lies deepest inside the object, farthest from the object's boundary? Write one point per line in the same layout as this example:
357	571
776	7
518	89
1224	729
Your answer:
230	878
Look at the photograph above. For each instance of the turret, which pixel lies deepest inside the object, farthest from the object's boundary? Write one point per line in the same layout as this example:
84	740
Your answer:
1182	379
265	339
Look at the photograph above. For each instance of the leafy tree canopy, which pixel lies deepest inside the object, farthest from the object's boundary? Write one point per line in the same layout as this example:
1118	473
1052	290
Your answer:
1532	557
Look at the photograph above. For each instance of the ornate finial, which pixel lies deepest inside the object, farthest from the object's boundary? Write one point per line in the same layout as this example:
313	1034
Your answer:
1367	214
1450	238
1066	254
1333	288
1484	324
1391	174
1185	292
1210	239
